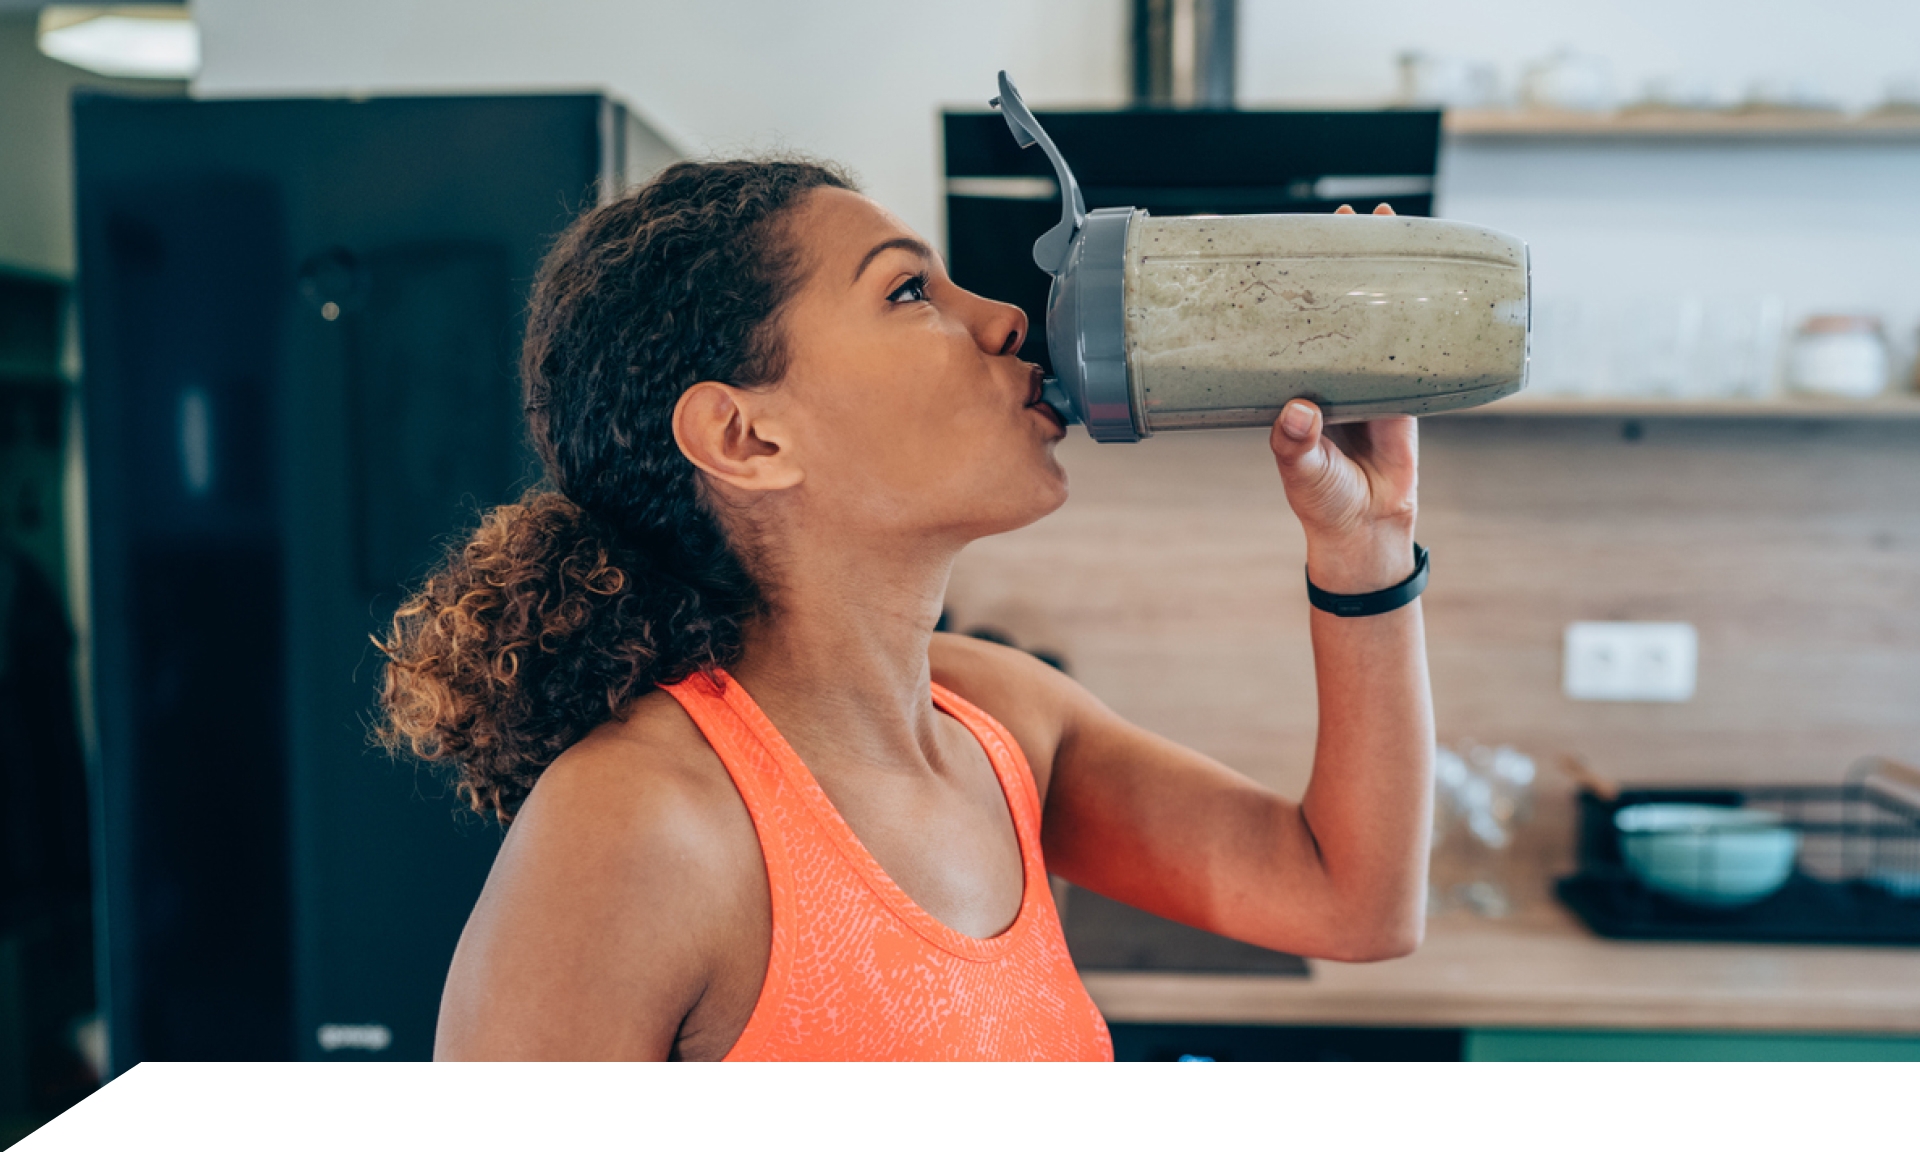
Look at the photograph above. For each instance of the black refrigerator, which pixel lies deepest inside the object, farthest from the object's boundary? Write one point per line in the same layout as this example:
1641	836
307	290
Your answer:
299	321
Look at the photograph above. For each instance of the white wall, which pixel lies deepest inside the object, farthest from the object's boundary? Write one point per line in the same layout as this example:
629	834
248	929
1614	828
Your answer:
36	184
1629	236
1614	227
861	81
36	148
1292	50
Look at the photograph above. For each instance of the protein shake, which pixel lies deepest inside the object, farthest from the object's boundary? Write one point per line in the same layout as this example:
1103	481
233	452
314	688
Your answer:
1187	322
1229	317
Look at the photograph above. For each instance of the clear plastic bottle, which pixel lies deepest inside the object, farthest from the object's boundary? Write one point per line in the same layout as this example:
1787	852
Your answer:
1229	317
1188	322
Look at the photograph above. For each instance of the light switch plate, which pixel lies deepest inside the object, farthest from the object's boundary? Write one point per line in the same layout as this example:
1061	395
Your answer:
1616	661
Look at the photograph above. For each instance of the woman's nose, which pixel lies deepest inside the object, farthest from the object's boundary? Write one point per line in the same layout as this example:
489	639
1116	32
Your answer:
1000	328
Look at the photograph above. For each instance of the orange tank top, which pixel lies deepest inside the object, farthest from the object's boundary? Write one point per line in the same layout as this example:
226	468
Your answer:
858	971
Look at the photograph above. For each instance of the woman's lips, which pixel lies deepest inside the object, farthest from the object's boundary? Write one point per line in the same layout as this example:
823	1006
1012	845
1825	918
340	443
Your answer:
1047	410
1036	389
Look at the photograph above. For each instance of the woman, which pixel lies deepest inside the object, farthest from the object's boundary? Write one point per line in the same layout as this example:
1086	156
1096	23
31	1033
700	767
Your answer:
758	808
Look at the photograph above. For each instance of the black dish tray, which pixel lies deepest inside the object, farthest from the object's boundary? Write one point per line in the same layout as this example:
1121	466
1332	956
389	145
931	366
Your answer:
1106	935
1848	833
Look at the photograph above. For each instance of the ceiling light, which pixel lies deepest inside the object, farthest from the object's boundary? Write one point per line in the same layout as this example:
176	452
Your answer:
149	41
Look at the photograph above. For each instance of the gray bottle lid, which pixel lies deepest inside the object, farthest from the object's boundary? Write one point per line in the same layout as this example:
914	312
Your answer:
1085	253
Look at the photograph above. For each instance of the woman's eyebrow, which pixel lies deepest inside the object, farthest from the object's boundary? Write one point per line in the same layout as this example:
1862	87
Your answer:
906	243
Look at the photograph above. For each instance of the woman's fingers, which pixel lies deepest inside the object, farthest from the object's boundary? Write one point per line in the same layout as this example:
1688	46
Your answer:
1310	466
1390	455
1353	475
1394	443
1296	435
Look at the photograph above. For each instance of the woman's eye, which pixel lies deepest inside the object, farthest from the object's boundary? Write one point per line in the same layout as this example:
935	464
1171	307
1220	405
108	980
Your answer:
910	292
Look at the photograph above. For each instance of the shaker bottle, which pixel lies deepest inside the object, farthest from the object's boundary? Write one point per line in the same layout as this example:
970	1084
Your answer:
1166	323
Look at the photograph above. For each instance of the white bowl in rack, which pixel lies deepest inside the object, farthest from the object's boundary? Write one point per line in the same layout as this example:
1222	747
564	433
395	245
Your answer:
1706	854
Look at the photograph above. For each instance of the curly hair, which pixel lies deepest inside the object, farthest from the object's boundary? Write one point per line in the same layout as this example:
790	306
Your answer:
613	576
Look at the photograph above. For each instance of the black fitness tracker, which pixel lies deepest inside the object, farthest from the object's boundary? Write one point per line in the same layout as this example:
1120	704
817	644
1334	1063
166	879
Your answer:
1374	603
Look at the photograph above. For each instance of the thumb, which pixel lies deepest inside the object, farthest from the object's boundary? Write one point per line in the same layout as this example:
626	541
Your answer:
1297	442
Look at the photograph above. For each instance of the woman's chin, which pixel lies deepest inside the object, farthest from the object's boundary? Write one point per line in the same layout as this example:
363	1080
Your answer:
1047	494
1059	486
1039	498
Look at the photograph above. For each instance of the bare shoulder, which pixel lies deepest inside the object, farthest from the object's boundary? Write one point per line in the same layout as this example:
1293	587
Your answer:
1036	702
631	788
617	888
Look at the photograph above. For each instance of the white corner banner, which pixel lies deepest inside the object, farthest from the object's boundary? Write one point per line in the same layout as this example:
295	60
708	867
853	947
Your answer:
418	1107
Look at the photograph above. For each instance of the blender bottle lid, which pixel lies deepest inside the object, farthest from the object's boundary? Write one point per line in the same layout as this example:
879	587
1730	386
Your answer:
1085	253
1050	250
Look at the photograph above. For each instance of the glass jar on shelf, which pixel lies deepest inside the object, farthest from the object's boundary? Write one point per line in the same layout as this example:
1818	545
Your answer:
1837	354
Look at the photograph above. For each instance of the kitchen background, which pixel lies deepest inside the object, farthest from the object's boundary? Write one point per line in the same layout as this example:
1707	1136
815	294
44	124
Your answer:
1696	181
1789	541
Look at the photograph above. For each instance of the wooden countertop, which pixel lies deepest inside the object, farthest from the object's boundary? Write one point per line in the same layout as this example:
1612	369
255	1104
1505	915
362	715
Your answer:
1548	970
1544	969
1541	967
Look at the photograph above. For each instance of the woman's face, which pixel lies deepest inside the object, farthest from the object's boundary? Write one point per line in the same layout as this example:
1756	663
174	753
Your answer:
908	410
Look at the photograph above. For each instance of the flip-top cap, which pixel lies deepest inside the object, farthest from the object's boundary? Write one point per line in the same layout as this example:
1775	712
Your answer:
1085	253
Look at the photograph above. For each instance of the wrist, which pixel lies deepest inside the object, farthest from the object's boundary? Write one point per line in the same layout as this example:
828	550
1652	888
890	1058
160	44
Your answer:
1353	564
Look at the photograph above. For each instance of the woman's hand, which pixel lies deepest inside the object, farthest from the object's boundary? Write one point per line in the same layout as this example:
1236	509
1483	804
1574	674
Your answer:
1353	488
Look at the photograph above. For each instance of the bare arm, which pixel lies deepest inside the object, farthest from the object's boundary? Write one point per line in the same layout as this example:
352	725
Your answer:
1342	874
1369	803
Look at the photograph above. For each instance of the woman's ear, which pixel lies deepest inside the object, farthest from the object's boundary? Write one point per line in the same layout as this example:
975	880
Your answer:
728	435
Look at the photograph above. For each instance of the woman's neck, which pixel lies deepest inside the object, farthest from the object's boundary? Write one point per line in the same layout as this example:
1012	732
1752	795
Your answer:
839	663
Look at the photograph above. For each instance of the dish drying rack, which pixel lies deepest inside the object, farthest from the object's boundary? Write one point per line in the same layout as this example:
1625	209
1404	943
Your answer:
1856	879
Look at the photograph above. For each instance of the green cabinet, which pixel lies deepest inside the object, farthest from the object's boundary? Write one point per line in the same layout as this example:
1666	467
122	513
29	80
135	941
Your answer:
1553	1044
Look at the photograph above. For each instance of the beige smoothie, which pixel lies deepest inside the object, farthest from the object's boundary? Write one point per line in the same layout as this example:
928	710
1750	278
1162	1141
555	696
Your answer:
1229	317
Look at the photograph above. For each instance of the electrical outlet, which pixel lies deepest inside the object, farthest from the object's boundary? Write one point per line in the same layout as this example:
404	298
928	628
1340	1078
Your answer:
1608	661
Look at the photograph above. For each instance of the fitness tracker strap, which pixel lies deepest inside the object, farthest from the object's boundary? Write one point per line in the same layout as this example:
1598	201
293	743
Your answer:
1374	603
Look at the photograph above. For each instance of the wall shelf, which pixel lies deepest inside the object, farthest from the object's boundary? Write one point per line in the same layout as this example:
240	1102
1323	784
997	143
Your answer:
1899	406
1681	125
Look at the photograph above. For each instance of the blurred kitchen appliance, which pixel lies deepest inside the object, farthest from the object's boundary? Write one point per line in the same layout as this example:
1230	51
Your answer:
1183	52
1171	162
300	325
1856	879
34	401
46	930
